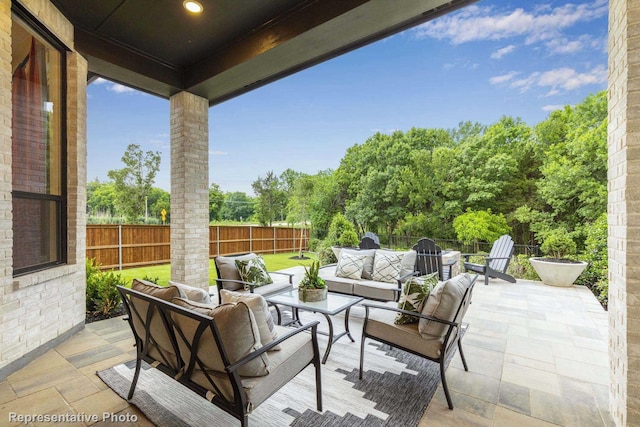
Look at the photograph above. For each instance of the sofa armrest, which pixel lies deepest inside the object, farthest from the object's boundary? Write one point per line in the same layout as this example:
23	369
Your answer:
249	357
284	274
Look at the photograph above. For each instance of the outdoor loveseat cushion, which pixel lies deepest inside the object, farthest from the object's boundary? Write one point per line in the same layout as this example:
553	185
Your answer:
238	330
381	324
160	348
284	365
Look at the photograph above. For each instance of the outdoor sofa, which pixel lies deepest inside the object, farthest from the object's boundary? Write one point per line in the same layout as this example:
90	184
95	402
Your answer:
376	274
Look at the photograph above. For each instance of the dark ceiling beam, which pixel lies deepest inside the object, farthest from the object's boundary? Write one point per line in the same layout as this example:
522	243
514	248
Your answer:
272	34
123	64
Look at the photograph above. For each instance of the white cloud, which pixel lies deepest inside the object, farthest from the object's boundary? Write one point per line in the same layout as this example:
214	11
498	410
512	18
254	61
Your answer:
503	51
99	81
503	78
563	45
476	23
118	88
561	79
552	107
217	153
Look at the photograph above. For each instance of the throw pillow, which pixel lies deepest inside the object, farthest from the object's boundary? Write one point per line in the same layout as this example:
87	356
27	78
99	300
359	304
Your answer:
414	295
253	271
442	303
238	332
260	309
350	266
227	270
149	288
386	267
192	293
367	270
408	263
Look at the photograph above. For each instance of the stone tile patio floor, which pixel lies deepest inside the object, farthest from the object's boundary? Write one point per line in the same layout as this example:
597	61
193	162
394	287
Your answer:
537	356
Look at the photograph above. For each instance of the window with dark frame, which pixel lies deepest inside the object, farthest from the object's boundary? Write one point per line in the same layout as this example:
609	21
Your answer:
38	147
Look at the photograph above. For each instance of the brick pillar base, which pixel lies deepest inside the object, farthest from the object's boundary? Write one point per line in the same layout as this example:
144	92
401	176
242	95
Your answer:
190	189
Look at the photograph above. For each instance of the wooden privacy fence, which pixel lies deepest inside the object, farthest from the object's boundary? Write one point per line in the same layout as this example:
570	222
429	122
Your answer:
126	246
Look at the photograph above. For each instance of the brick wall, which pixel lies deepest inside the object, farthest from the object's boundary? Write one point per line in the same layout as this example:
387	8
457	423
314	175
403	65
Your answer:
38	309
623	207
190	189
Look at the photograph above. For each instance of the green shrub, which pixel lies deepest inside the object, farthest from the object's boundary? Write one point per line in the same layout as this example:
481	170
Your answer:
151	279
520	268
348	238
595	276
558	243
325	253
313	244
102	295
341	232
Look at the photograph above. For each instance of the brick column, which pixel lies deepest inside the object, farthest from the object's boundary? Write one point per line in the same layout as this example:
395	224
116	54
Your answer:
190	189
623	207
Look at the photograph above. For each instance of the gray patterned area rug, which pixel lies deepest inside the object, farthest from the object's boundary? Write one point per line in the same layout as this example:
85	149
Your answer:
395	391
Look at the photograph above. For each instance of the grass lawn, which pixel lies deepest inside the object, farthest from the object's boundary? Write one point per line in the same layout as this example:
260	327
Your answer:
274	262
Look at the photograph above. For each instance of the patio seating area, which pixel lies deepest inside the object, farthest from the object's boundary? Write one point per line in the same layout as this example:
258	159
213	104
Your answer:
537	356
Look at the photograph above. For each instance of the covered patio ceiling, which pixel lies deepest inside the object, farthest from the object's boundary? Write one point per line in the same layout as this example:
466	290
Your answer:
234	46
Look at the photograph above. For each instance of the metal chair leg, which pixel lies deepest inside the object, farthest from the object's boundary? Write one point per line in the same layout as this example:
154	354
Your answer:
464	362
444	385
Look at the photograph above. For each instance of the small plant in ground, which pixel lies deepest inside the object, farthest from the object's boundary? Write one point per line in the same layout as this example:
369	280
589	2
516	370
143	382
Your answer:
520	268
102	297
148	278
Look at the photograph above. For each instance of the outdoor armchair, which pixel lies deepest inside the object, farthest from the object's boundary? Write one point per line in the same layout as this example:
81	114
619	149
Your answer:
496	264
429	259
228	277
437	333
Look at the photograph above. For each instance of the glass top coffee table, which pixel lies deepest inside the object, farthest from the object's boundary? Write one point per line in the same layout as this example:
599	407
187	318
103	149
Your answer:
334	304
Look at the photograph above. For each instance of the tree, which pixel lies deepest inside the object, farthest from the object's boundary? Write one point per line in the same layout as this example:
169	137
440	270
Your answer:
480	226
100	198
237	206
271	199
216	200
133	183
157	201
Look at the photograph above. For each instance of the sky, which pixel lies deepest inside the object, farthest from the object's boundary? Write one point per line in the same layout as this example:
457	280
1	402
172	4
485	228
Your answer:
517	58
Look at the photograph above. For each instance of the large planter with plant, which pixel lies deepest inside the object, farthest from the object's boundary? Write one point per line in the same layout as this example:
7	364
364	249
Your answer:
312	287
556	269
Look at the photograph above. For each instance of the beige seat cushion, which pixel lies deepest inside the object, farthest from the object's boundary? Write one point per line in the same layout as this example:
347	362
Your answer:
296	353
192	293
228	270
376	290
260	309
336	284
238	332
381	325
442	303
161	347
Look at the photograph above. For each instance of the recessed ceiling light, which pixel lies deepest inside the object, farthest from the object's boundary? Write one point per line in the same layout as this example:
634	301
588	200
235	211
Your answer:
192	6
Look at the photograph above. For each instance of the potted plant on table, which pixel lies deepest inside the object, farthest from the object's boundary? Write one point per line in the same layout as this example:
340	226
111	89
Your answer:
556	269
312	287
